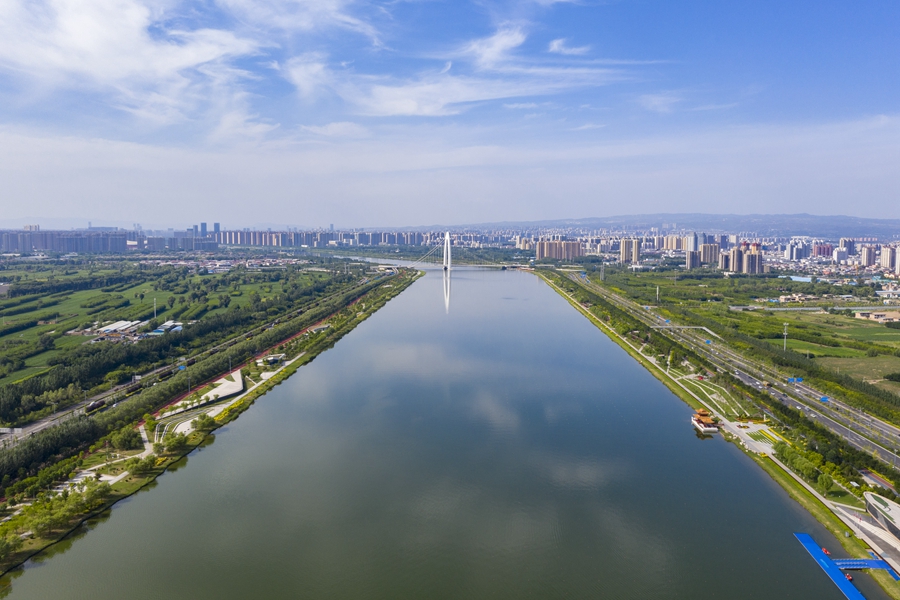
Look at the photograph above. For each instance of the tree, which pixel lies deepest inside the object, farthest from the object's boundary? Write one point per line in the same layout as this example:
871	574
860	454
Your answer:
127	439
825	482
171	301
141	466
204	423
175	442
9	544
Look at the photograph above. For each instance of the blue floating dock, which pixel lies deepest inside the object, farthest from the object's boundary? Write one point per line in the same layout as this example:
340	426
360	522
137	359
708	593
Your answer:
831	569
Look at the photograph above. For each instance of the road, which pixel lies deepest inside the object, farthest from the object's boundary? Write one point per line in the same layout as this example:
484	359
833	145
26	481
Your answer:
861	430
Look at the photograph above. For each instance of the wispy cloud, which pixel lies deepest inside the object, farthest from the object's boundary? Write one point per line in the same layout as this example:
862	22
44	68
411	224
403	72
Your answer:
716	106
494	73
587	126
559	47
342	129
106	46
491	51
309	73
659	103
300	15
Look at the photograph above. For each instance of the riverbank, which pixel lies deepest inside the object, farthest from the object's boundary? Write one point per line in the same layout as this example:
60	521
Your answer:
129	484
853	545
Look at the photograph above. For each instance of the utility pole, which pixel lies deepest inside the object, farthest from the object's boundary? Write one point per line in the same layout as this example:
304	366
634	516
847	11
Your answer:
785	337
154	308
657	295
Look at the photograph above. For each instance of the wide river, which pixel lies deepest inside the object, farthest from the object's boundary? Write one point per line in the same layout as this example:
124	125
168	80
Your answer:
504	449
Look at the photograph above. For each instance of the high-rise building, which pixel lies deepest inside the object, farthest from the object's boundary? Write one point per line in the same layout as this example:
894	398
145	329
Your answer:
690	243
867	256
709	253
202	229
692	259
888	257
674	242
724	261
849	245
753	260
736	259
557	250
216	228
630	251
798	249
839	255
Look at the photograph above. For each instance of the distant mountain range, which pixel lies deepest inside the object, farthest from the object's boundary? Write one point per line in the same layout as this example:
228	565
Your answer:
764	225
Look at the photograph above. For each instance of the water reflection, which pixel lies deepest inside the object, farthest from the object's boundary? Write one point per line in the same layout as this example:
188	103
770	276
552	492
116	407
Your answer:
509	452
447	291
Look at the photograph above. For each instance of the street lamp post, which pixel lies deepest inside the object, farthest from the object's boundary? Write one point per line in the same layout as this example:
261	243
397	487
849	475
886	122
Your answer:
785	337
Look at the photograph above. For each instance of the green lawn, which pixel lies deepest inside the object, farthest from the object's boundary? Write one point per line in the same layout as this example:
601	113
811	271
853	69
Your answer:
869	367
817	349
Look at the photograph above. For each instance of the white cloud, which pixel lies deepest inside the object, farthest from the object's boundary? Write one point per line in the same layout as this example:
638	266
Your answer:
659	103
339	129
448	95
588	126
309	73
489	52
300	15
497	76
521	105
106	46
559	47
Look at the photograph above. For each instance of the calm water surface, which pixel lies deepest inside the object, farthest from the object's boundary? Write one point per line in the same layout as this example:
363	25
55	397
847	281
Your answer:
506	449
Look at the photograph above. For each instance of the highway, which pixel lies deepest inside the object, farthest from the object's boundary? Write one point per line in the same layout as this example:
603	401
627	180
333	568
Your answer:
861	430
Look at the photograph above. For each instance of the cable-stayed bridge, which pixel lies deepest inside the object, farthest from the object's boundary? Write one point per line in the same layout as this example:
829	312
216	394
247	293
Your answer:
446	255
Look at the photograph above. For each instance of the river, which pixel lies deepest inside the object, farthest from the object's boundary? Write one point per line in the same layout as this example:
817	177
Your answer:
501	448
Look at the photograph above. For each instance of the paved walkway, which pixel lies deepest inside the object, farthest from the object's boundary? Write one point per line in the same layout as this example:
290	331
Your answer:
223	388
184	426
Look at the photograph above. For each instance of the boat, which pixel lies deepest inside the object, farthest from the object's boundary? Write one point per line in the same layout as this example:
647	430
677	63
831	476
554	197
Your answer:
704	422
848	576
825	550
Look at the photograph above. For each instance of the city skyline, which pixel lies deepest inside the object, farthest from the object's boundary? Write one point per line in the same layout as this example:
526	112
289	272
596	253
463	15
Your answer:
379	114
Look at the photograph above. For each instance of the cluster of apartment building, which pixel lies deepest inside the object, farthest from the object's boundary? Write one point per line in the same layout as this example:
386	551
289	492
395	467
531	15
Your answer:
201	238
846	256
743	252
700	250
83	242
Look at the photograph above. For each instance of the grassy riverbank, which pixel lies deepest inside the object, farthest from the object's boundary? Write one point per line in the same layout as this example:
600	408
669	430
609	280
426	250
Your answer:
59	528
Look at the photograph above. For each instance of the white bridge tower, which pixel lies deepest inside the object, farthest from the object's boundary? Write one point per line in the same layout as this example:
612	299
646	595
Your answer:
447	251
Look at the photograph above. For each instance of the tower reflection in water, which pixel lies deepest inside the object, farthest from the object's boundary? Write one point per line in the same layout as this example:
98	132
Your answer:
447	291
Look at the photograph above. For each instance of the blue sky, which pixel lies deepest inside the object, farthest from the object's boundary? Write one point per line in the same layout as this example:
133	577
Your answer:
309	112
